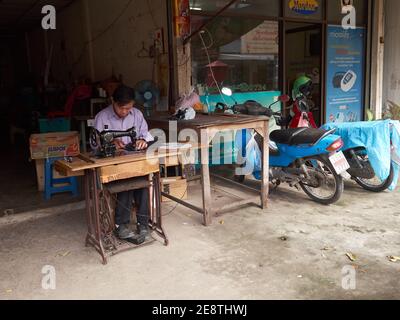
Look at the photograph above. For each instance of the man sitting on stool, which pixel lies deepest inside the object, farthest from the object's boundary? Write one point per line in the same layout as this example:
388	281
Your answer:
122	116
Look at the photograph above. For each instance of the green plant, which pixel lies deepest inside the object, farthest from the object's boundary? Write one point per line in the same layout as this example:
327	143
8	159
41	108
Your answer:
392	111
369	115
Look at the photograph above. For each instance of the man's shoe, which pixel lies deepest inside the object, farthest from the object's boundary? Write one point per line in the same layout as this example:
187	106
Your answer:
124	232
144	231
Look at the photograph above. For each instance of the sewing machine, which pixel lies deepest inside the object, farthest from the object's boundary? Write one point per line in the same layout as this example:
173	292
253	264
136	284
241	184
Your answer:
104	141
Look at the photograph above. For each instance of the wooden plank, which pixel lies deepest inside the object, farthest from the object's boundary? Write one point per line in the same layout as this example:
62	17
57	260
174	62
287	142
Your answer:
236	204
203	121
79	164
86	158
76	165
127	170
258	125
237	184
82	162
183	203
64	172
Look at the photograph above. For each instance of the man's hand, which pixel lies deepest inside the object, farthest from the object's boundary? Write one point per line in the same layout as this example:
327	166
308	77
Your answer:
119	144
141	145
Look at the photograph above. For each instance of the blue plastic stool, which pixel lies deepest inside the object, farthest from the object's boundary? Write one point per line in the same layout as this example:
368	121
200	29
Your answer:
50	189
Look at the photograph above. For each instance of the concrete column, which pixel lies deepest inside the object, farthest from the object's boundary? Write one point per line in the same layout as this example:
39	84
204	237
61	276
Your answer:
377	58
184	67
391	81
183	62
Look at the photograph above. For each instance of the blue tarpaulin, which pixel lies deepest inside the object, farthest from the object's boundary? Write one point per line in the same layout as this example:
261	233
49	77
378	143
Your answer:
376	137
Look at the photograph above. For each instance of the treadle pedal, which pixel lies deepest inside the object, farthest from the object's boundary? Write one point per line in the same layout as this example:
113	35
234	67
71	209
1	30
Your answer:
137	240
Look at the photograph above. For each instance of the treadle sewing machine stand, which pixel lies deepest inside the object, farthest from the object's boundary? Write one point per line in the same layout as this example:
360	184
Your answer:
106	177
100	213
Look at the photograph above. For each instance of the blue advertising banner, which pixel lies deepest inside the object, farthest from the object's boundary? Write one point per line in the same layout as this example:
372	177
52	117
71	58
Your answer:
345	74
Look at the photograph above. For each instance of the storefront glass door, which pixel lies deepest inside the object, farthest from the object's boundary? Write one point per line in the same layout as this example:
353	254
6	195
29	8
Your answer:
303	56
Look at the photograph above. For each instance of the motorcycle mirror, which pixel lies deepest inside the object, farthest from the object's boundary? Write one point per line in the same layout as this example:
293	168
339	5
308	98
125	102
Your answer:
269	113
284	98
227	91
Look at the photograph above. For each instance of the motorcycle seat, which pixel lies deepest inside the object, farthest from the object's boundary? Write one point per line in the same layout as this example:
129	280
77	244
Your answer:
299	136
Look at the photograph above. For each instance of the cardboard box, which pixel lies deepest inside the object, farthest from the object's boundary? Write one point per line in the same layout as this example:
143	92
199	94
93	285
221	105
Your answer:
176	187
54	145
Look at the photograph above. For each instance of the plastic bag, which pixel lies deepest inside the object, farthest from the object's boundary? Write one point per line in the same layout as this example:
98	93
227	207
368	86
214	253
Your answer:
185	106
188	101
252	158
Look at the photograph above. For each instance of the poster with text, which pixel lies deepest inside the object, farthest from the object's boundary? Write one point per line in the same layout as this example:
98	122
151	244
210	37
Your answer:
264	39
345	74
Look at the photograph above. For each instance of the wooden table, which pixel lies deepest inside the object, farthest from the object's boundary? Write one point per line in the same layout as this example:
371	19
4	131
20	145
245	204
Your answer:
207	126
105	177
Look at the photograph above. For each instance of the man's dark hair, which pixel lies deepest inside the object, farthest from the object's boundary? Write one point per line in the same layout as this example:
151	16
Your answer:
124	95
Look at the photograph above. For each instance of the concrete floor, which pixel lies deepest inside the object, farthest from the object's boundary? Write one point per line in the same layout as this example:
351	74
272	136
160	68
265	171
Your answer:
296	249
18	186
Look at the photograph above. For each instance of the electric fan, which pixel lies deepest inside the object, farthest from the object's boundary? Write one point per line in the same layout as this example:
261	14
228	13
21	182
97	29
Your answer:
147	95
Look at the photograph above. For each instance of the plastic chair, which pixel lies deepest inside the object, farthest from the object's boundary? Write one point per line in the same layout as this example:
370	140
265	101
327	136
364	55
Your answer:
80	93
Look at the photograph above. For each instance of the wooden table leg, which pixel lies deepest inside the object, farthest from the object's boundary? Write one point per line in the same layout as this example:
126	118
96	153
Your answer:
265	167
205	178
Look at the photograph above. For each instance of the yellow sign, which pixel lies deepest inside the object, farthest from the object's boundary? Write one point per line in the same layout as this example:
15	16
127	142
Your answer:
304	6
182	18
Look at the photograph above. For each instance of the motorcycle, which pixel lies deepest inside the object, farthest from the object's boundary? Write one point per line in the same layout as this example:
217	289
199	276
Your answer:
305	158
360	169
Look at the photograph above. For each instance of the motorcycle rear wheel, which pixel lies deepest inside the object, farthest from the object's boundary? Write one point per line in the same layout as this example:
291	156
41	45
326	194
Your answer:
331	179
374	184
368	184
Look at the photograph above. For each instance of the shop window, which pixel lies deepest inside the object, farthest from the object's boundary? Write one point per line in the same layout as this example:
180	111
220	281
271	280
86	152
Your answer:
303	57
305	9
239	53
335	15
267	8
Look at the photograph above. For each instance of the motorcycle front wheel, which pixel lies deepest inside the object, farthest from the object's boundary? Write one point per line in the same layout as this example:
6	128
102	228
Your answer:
323	185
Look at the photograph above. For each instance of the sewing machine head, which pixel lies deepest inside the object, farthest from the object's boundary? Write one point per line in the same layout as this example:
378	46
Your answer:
104	144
